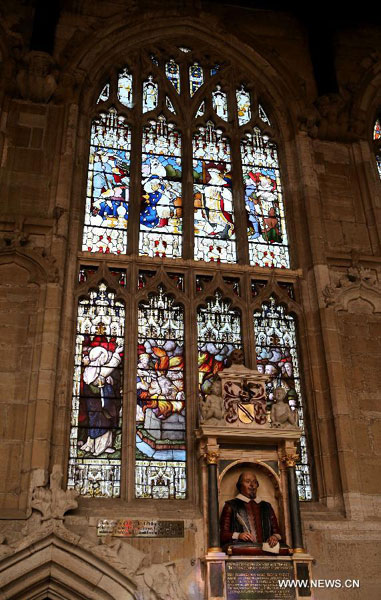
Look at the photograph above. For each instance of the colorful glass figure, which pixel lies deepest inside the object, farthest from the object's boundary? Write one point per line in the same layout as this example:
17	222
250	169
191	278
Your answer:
213	200
201	110
172	71
150	94
108	180
161	204
277	357
243	106
196	78
220	103
263	199
219	333
96	415
214	70
160	414
262	115
105	93
125	88
377	130
169	105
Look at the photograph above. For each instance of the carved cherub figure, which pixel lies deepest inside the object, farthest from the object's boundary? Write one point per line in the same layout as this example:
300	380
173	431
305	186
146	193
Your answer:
211	407
281	413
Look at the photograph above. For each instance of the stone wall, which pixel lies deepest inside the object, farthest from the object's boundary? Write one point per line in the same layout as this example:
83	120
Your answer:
333	201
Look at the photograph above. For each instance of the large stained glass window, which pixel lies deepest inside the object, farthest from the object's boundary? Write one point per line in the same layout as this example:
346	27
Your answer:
219	333
277	357
108	184
213	199
161	204
263	199
160	412
96	415
163	147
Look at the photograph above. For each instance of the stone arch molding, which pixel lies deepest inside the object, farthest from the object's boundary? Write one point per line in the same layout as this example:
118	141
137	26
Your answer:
58	564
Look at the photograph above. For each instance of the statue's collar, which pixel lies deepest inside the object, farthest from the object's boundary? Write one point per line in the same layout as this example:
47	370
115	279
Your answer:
243	498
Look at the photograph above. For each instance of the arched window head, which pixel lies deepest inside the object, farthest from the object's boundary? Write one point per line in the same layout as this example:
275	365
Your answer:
377	144
190	116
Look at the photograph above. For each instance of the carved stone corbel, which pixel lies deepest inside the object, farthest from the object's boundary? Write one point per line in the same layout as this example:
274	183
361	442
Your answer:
357	283
52	501
37	77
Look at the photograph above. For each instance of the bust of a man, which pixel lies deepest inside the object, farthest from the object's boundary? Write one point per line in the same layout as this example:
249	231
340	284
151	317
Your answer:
245	521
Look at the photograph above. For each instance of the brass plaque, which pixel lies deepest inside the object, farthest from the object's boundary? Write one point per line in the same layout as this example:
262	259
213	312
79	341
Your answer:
258	580
143	528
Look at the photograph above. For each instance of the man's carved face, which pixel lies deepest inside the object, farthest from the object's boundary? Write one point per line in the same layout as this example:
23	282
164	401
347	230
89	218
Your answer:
248	485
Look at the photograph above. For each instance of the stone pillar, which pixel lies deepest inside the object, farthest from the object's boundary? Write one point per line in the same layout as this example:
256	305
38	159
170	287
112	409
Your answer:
212	457
296	524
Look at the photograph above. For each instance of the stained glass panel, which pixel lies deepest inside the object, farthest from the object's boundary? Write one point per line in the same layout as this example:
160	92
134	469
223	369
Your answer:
243	106
161	204
263	199
108	185
219	333
377	130
213	200
150	94
220	103
277	357
172	71
125	88
196	78
262	115
169	105
160	415
96	416
214	69
201	110
105	93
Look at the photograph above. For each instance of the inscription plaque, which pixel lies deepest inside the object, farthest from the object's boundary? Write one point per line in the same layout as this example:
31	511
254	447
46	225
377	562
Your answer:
258	580
146	528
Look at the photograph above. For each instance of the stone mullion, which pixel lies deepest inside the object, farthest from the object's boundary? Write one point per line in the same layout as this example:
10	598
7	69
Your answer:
249	319
191	380
129	389
136	168
187	192
238	187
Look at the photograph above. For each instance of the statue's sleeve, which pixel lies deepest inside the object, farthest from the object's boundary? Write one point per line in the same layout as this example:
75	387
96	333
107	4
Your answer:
226	524
274	524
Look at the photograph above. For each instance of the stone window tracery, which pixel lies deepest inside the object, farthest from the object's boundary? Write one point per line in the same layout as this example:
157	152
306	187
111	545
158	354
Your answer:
167	223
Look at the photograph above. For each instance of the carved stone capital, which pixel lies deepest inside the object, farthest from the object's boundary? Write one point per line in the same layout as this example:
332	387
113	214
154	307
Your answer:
212	457
290	459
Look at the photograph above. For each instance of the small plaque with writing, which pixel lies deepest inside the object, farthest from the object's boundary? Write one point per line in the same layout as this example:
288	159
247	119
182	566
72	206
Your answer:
146	528
258	580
